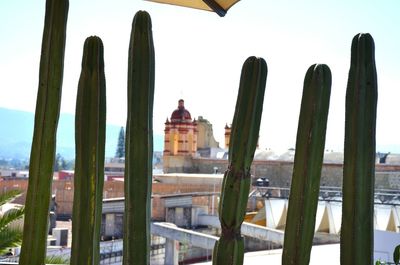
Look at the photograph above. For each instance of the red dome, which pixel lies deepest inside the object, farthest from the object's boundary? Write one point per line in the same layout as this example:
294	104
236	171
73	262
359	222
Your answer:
181	114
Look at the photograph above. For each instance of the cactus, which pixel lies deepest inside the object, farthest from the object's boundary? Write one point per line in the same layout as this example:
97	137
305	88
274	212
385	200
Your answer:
139	142
356	243
33	250
308	159
90	125
229	249
396	255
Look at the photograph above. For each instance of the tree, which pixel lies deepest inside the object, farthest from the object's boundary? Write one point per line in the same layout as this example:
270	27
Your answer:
59	163
120	152
10	235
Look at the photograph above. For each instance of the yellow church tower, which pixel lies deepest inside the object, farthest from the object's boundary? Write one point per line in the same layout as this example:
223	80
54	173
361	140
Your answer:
180	141
180	133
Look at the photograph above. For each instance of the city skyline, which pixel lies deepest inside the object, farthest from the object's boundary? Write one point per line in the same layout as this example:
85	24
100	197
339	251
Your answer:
199	57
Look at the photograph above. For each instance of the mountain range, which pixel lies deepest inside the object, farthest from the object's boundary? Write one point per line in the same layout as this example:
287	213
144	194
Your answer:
17	130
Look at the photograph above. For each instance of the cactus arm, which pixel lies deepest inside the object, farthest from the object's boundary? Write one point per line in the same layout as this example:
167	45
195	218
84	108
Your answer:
229	249
139	142
90	121
359	154
34	241
310	144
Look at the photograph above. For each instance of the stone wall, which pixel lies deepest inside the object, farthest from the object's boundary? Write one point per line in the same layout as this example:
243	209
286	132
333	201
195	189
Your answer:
280	173
387	180
178	164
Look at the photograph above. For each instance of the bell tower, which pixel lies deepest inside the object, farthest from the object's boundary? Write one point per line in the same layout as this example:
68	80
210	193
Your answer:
180	138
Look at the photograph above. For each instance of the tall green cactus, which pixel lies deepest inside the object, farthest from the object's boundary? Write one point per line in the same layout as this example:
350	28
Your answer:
139	142
90	126
310	144
41	163
356	243
229	249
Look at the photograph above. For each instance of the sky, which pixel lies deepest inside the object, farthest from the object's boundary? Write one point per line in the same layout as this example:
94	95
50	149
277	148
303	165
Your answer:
199	56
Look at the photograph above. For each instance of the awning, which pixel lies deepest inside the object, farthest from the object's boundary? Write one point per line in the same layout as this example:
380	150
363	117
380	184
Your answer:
218	6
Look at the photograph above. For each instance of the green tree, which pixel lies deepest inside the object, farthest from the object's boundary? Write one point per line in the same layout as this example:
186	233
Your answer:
60	163
120	152
10	236
70	164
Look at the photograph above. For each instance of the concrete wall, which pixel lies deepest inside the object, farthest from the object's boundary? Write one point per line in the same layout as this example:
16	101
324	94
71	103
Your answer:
160	189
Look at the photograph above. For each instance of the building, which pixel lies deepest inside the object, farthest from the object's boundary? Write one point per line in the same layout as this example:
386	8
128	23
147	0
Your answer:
186	138
180	133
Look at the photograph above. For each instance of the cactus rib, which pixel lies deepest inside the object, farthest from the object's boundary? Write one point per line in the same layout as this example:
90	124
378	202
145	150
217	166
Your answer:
308	159
229	249
139	142
359	154
34	241
90	123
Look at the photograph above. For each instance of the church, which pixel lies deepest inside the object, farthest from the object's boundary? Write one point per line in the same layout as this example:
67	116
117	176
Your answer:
186	139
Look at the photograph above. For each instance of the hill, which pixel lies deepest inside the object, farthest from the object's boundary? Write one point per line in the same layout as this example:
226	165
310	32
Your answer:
17	130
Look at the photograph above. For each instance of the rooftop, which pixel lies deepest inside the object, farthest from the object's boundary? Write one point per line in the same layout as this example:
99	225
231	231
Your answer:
322	254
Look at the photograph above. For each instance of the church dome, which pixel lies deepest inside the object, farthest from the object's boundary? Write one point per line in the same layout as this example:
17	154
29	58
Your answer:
181	114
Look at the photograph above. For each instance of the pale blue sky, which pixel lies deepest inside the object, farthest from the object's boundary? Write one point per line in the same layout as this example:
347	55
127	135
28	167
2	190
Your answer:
199	57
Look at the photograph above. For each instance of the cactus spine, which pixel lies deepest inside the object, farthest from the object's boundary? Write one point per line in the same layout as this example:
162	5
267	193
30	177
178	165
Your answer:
359	154
229	249
308	159
90	124
41	163
139	142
